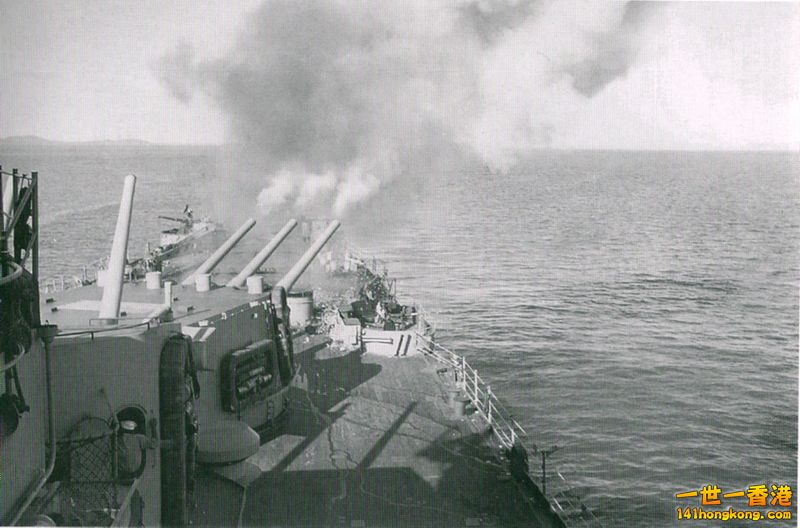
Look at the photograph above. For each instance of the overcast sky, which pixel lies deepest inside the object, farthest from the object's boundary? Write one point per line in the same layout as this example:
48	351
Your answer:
705	76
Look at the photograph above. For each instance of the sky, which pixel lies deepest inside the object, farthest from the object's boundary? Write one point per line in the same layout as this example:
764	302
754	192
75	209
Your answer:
497	76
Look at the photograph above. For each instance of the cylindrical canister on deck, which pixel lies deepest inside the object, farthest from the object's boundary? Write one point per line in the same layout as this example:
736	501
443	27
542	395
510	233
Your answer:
168	293
301	304
255	284
153	280
202	282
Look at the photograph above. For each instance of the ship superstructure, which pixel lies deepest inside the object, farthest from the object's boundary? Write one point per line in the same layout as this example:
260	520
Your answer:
219	399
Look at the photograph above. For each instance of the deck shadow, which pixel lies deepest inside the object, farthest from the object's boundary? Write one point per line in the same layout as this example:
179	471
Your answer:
398	496
328	380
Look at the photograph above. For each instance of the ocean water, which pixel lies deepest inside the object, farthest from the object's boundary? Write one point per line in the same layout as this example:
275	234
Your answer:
637	309
80	191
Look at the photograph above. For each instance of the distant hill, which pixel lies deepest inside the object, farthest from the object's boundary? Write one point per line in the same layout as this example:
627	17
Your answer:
25	140
33	141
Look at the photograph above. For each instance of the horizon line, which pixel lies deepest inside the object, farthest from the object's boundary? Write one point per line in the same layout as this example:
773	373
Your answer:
134	142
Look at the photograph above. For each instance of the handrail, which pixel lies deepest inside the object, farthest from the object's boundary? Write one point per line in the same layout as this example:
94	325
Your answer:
60	283
371	263
430	323
505	428
19	175
480	394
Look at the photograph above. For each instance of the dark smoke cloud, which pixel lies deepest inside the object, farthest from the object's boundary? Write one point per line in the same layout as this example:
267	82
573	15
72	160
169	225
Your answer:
491	19
613	52
301	86
329	101
611	60
176	72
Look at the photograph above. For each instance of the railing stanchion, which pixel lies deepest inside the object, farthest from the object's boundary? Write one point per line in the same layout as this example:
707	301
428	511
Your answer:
14	191
489	403
3	242
35	225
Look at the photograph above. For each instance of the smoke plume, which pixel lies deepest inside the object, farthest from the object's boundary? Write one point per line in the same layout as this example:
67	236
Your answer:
327	102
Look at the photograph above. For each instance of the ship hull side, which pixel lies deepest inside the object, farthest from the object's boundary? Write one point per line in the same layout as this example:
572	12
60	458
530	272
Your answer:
22	456
116	372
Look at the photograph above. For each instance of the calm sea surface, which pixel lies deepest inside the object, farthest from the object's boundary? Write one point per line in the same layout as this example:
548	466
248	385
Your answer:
638	310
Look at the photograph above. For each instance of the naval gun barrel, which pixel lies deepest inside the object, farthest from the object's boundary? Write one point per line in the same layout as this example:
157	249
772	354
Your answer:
172	218
115	275
262	255
220	253
280	291
293	274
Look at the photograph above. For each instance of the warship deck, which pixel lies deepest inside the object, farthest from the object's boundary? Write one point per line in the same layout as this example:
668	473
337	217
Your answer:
370	441
367	441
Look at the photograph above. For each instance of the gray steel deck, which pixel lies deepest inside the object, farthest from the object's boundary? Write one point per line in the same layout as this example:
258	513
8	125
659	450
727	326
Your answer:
370	441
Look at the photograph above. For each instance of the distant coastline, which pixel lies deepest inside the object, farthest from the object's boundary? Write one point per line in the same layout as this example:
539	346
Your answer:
36	141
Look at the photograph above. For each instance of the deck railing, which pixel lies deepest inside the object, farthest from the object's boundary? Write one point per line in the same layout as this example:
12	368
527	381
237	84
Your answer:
508	431
354	257
61	283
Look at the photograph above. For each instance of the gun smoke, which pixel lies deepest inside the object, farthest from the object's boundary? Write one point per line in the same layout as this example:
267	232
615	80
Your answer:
327	102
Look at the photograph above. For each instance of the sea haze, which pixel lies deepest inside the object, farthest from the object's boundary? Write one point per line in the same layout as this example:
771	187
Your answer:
637	309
